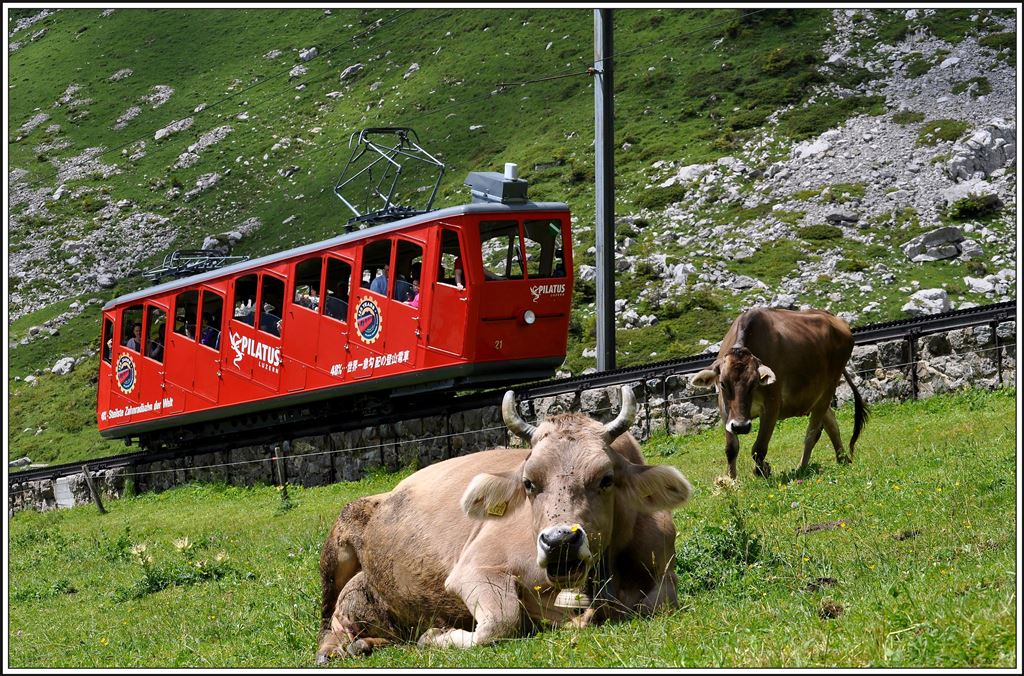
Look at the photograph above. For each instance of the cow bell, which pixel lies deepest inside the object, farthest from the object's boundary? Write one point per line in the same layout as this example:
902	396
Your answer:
573	598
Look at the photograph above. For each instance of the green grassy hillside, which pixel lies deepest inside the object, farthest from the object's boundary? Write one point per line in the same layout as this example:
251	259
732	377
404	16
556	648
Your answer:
903	559
690	85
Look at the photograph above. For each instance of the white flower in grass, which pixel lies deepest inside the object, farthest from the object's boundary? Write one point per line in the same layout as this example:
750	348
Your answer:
221	557
182	544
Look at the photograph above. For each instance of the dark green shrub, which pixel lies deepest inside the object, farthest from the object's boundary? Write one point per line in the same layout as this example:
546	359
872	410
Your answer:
981	86
907	117
975	207
820	231
825	114
940	130
658	198
918	66
852	265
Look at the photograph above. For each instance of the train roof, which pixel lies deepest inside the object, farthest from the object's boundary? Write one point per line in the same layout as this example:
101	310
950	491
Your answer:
476	208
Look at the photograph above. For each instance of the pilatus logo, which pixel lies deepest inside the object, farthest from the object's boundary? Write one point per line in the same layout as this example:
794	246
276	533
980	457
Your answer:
368	320
244	345
547	290
125	371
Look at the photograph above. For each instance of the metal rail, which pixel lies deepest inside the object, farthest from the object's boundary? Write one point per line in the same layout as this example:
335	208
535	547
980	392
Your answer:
433	405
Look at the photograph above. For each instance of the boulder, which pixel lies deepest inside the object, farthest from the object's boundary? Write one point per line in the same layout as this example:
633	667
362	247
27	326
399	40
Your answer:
297	71
686	174
351	71
412	69
20	462
979	285
105	281
927	302
842	217
934	245
308	54
988	149
969	249
63	366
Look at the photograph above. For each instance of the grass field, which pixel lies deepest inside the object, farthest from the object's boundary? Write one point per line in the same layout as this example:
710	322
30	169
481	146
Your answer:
907	559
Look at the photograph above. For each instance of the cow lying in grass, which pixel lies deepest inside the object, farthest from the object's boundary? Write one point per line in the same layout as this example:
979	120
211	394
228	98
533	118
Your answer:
477	548
777	364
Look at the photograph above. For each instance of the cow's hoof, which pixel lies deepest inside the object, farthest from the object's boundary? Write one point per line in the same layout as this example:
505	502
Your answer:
763	470
359	648
844	459
431	637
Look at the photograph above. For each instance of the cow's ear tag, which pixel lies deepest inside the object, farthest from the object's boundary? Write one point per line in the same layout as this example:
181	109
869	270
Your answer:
497	509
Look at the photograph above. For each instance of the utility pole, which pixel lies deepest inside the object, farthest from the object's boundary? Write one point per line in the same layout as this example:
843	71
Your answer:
604	189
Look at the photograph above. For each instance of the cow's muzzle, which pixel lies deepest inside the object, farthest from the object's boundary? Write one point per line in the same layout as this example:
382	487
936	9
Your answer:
738	426
564	552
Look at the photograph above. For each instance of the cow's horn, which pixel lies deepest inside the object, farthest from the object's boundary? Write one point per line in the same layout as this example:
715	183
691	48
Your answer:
625	418
515	424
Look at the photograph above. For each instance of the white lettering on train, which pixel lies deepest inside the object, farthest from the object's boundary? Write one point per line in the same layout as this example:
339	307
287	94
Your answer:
244	345
547	290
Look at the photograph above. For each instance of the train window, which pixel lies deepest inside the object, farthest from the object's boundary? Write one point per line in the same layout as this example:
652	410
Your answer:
156	328
339	275
245	299
376	259
307	283
131	328
271	301
543	242
450	269
408	264
108	338
499	244
186	309
213	315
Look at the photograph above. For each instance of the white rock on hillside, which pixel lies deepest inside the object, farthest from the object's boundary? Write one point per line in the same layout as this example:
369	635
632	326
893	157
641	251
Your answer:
351	71
928	302
63	366
173	128
308	54
158	96
121	74
987	149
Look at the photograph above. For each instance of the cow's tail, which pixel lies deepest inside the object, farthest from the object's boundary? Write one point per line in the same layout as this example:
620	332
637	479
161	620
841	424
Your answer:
861	412
339	558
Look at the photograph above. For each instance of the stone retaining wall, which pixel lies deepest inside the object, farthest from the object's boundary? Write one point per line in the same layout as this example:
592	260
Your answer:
945	362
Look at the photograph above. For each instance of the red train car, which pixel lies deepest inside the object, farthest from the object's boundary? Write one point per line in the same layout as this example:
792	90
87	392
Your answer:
469	296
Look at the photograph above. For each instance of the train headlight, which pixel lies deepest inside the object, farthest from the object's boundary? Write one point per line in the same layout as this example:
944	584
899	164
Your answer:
529	317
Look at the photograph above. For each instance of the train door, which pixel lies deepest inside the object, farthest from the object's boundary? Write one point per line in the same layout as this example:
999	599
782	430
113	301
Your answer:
154	351
106	367
402	309
449	296
182	341
254	329
370	315
334	350
127	362
299	351
207	353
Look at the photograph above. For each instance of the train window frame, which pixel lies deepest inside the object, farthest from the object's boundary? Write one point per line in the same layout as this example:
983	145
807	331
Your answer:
155	349
275	325
403	261
513	255
218	326
178	305
325	289
551	255
460	257
314	294
376	266
108	339
240	311
128	326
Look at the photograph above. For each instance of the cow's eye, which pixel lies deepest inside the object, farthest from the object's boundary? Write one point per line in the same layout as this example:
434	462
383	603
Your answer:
530	486
606	481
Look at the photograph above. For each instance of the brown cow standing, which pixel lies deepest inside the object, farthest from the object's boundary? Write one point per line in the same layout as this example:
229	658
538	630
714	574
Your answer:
476	548
777	364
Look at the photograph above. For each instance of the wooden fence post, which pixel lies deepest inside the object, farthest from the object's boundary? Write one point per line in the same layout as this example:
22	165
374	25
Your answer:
92	489
282	473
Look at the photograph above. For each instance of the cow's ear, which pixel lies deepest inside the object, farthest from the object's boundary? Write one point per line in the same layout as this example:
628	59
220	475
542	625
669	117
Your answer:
492	495
707	377
766	375
652	488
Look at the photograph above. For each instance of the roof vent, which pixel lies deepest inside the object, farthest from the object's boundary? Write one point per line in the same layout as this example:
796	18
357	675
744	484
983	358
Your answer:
491	186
